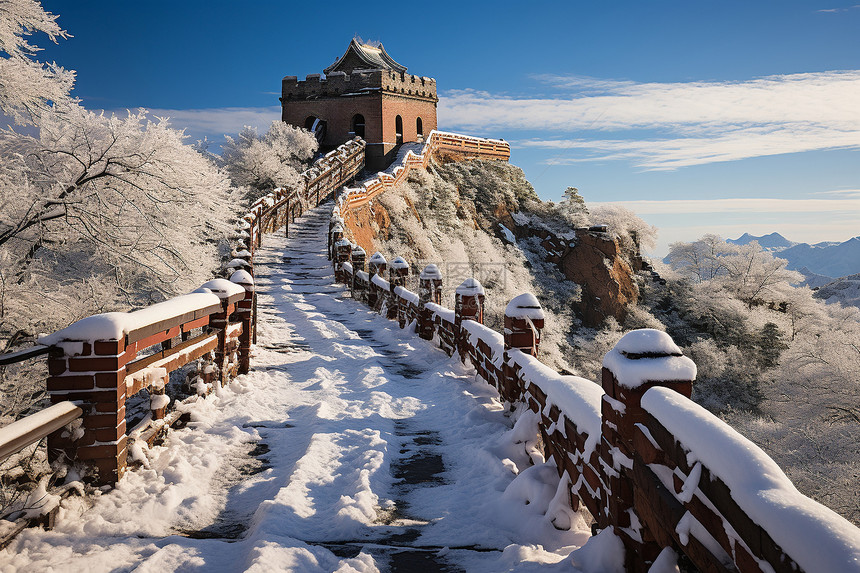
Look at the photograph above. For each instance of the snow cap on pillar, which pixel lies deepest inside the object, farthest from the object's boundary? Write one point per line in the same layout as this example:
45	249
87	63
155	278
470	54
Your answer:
377	259
243	278
337	228
648	355
470	287
431	272
357	250
343	243
525	305
398	263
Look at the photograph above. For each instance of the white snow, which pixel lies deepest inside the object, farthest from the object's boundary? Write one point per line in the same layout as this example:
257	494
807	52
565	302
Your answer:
440	311
408	295
115	325
381	282
577	398
509	236
648	340
493	339
223	288
814	536
243	278
632	371
470	287
399	263
431	271
525	305
377	258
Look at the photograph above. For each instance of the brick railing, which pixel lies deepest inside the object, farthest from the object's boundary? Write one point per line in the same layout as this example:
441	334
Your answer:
439	143
644	459
97	364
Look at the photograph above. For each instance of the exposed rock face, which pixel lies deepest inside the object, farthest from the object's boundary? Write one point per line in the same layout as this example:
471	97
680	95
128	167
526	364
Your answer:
596	262
366	224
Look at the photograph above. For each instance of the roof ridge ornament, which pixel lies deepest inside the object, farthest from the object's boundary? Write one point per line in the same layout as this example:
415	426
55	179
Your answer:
372	57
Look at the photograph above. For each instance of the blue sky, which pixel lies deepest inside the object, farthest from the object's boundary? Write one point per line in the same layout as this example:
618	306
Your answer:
700	116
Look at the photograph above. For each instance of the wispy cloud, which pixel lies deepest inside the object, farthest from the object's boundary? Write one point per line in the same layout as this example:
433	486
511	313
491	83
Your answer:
687	123
841	193
215	122
849	207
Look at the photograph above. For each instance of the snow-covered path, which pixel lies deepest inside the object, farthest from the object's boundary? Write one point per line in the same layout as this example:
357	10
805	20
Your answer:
351	446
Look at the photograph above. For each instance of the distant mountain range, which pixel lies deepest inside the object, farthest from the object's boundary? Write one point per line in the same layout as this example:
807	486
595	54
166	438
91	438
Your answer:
831	259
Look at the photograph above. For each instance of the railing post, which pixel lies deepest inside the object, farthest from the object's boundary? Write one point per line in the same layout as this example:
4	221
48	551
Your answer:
398	271
429	290
641	360
246	314
335	234
358	265
376	266
468	305
469	302
342	252
92	373
524	319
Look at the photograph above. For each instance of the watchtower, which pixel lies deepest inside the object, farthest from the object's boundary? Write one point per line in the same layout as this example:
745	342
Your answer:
364	93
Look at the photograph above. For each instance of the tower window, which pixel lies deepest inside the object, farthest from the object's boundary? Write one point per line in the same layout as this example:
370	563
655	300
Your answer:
419	126
398	129
358	125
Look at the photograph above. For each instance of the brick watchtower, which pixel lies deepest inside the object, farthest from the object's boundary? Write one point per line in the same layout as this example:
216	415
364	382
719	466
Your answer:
364	93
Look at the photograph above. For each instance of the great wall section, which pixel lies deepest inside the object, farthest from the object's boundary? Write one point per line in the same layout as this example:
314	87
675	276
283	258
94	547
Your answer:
647	463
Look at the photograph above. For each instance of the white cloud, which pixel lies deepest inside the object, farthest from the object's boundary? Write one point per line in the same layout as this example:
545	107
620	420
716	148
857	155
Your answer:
741	205
215	122
695	122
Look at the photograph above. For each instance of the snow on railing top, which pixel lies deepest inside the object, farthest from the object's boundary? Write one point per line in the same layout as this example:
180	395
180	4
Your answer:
115	325
817	538
445	314
577	398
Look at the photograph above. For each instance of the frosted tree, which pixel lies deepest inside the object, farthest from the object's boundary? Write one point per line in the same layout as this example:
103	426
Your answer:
746	271
121	182
275	159
28	86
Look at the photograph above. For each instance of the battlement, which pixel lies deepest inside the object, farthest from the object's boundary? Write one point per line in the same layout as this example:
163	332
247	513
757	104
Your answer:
358	83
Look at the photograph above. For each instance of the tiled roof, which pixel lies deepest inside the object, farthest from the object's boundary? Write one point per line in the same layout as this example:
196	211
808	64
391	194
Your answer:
372	58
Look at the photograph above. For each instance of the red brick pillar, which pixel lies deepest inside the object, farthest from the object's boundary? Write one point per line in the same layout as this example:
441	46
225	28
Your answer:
398	271
245	311
358	265
93	375
376	266
524	319
335	234
469	302
641	360
429	290
342	253
468	305
221	320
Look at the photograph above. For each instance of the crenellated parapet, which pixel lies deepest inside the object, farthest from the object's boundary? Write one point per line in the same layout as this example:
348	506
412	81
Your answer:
358	83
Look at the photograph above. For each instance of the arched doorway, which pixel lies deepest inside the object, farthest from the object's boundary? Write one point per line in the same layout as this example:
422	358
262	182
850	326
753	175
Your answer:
316	126
398	129
358	125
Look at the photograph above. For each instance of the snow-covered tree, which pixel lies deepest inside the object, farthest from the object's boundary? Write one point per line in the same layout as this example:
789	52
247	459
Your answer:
748	272
123	183
28	86
275	159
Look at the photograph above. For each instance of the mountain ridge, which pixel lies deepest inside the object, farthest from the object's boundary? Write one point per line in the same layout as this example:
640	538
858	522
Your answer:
829	258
